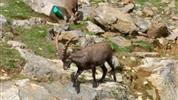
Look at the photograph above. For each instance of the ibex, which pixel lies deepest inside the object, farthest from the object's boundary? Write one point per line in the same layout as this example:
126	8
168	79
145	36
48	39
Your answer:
88	58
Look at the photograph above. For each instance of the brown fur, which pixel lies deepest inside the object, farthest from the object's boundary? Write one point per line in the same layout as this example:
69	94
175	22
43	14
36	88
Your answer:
88	58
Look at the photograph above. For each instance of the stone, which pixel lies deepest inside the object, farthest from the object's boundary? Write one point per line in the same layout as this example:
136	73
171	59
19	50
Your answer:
67	92
2	4
3	20
121	41
8	36
158	29
142	24
146	54
40	69
128	8
91	27
89	39
34	92
67	35
9	91
82	2
21	83
148	12
127	1
113	19
173	35
110	34
16	44
164	76
28	22
87	11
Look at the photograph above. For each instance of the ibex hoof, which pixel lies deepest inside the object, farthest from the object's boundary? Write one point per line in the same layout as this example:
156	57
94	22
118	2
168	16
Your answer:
101	81
72	77
77	88
95	84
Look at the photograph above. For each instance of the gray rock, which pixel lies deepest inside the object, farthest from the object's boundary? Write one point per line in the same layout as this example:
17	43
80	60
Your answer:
105	90
121	41
2	20
8	36
164	76
89	39
2	4
146	54
84	2
148	12
34	92
25	90
173	35
158	29
9	91
45	6
127	8
91	27
28	22
40	69
143	24
67	35
16	44
113	19
87	11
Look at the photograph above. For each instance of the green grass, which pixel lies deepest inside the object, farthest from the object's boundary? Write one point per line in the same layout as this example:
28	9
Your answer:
146	45
9	58
82	26
16	9
36	39
119	49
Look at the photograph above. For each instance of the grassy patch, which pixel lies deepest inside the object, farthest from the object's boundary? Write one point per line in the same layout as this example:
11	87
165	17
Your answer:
10	59
119	49
36	39
144	44
82	26
16	9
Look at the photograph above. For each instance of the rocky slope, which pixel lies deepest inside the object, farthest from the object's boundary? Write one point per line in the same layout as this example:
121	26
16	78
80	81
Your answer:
143	35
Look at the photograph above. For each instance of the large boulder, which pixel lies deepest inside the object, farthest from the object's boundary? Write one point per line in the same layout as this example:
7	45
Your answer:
91	27
121	41
40	69
25	89
164	76
113	19
44	6
158	29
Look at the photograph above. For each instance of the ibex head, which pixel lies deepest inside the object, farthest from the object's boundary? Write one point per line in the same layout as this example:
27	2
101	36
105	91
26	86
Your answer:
66	56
